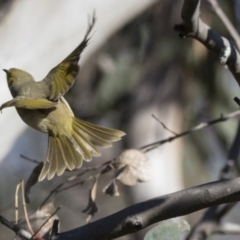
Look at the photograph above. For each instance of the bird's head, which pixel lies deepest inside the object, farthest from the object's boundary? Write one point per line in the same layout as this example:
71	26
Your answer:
15	75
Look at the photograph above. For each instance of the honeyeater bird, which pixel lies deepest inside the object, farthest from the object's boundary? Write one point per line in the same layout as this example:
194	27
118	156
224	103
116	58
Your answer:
42	106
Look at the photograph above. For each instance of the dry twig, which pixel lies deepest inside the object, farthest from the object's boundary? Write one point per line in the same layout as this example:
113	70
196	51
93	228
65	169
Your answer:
25	208
45	223
164	126
16	202
200	126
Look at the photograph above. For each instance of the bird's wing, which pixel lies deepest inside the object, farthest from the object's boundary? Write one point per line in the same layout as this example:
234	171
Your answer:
62	77
28	103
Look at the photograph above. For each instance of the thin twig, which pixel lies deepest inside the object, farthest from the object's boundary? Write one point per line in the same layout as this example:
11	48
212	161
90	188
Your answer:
29	159
25	208
89	169
84	171
51	193
45	223
16	201
164	126
75	184
200	126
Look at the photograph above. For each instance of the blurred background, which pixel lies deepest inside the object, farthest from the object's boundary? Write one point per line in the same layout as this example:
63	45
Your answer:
135	66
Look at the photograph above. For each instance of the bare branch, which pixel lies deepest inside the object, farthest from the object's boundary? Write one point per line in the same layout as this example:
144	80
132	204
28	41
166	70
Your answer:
194	27
225	20
14	227
141	215
200	126
89	169
212	217
16	201
29	159
81	182
164	126
50	194
25	208
100	167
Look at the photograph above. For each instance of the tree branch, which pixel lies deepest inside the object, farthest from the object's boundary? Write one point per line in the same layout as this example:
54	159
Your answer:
194	27
211	219
141	215
15	228
222	16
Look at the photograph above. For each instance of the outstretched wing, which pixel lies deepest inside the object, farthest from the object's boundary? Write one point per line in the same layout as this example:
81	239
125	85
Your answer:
28	103
62	77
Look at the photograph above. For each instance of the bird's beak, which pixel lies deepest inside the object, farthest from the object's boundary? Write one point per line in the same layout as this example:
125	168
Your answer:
6	71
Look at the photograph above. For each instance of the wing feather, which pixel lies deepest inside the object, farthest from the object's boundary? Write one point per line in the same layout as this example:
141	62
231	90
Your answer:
62	77
29	103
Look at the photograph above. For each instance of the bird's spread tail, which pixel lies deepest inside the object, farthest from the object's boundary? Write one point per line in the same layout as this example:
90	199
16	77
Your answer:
69	152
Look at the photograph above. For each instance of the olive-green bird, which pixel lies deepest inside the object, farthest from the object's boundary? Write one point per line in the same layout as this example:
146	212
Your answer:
42	106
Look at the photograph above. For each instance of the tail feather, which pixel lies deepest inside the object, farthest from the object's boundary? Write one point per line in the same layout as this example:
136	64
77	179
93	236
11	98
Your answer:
44	171
52	158
66	151
61	163
63	154
99	136
82	147
90	146
72	154
108	134
95	139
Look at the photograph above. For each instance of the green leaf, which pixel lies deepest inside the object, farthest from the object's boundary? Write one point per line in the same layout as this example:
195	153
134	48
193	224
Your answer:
167	230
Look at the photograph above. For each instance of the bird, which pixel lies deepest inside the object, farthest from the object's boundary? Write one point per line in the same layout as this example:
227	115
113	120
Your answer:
41	105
